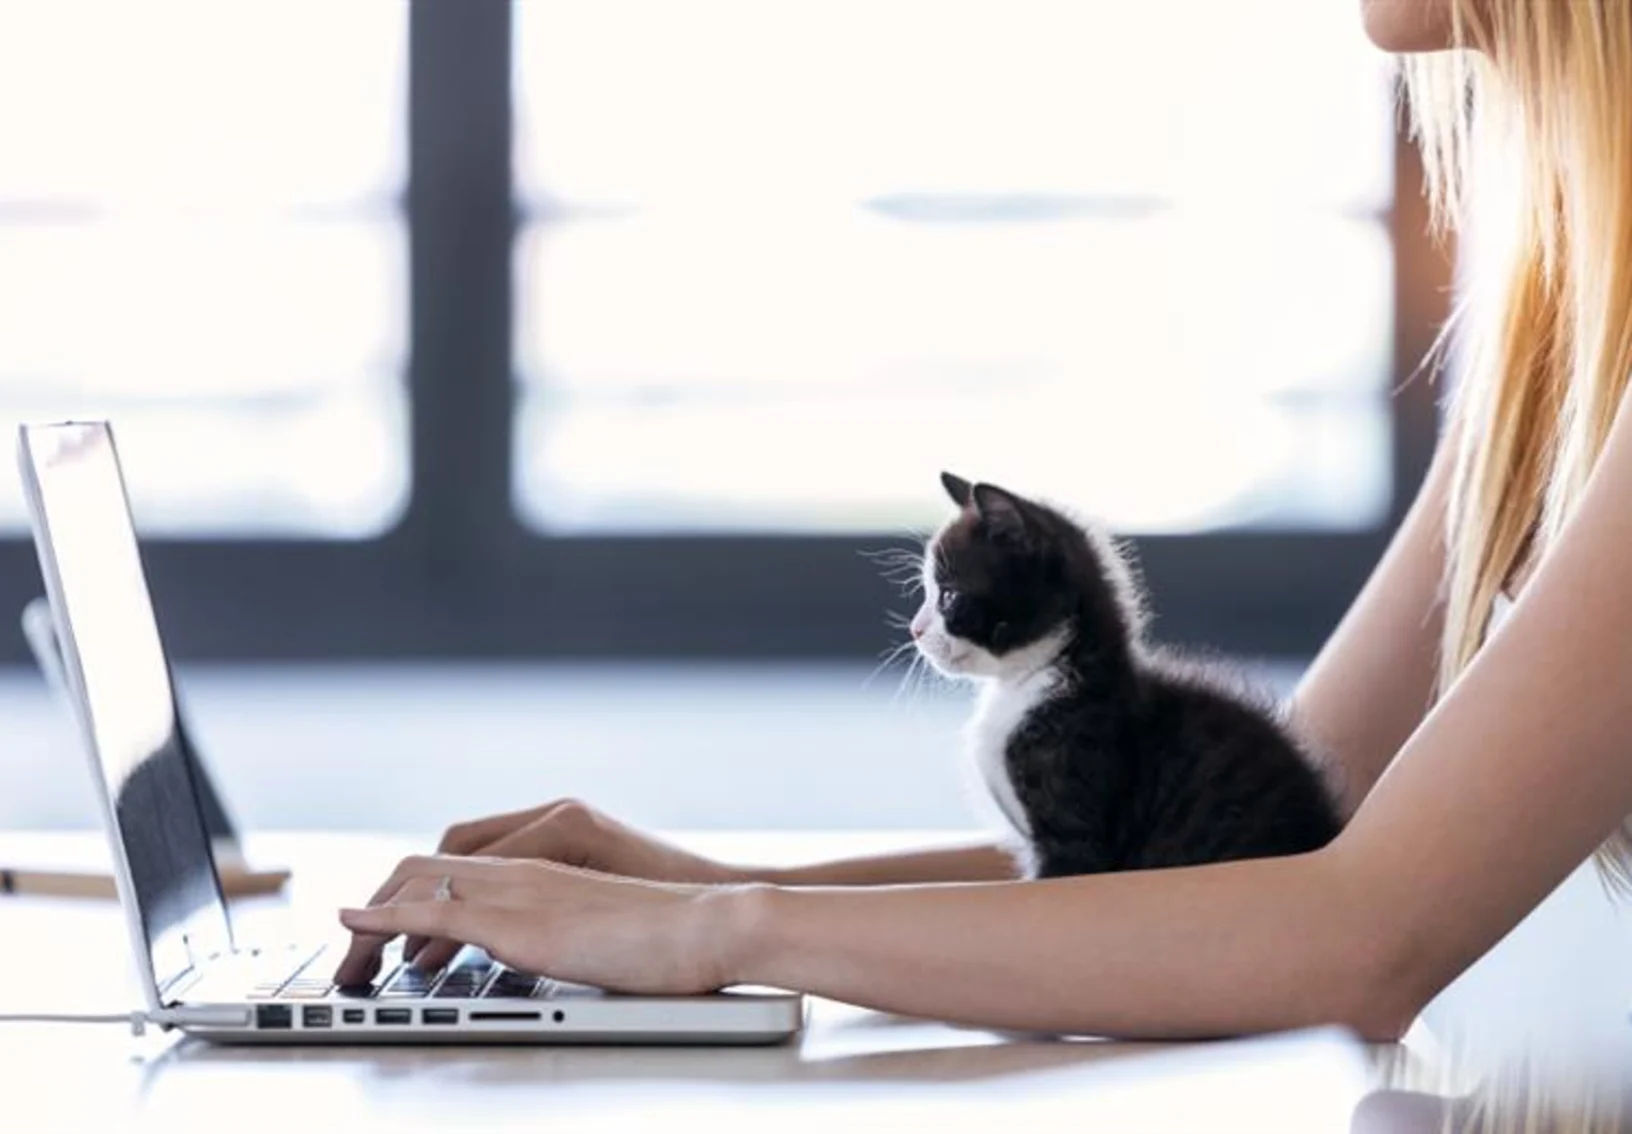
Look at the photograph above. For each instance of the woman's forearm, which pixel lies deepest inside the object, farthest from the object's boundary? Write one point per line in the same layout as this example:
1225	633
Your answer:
983	863
1206	951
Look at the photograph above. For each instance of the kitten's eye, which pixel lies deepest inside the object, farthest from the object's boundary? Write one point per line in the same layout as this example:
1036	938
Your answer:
944	602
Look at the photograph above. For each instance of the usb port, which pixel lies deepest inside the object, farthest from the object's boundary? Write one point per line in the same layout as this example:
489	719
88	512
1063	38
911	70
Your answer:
274	1016
351	1015
393	1016
316	1016
439	1016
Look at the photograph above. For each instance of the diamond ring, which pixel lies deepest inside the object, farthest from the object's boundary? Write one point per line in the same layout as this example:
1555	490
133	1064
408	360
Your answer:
444	889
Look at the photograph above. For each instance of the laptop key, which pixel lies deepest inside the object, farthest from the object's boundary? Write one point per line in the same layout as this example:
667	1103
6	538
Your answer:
472	976
512	985
409	983
471	960
470	971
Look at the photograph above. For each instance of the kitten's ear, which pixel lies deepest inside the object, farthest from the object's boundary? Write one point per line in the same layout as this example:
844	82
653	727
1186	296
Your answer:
1003	512
957	488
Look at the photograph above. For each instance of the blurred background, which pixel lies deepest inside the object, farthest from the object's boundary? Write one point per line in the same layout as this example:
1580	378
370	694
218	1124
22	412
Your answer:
510	392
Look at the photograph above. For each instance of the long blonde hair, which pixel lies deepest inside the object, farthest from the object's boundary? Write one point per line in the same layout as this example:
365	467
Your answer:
1526	134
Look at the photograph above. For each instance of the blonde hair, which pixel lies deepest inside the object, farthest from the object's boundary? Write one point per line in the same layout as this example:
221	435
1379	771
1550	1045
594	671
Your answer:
1534	108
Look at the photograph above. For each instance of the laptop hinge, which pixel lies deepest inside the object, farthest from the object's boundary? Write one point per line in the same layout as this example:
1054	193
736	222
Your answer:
171	989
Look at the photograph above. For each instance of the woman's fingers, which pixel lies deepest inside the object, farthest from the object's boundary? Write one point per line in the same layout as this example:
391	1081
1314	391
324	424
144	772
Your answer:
471	836
470	923
434	866
558	831
362	960
571	923
501	882
463	838
565	832
415	880
432	954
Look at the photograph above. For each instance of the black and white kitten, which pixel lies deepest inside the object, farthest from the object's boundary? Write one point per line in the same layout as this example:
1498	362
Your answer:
1104	752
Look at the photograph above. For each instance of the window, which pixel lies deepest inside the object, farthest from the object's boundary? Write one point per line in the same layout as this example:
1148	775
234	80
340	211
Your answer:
616	329
782	262
201	238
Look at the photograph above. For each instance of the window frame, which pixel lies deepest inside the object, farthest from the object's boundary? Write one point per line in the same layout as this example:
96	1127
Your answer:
462	576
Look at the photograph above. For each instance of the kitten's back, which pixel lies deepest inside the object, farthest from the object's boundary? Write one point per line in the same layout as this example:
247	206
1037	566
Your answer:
1224	777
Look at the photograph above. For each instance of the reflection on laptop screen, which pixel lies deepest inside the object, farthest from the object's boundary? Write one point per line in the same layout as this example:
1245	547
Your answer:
93	570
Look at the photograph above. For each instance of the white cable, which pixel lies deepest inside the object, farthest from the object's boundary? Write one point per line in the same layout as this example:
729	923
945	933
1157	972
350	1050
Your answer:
138	1021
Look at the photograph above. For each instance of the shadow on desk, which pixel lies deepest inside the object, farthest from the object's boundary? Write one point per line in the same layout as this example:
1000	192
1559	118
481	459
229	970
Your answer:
887	1050
1402	1095
883	1072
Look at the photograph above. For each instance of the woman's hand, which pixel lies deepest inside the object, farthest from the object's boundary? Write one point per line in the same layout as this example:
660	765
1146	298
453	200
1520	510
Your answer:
576	834
575	925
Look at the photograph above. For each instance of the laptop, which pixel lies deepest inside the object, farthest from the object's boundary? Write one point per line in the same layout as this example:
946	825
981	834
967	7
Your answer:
40	631
194	977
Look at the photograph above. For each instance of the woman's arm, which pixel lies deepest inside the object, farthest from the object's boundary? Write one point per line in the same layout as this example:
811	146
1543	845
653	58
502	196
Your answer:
576	834
1184	953
1371	685
985	862
1522	768
1518	773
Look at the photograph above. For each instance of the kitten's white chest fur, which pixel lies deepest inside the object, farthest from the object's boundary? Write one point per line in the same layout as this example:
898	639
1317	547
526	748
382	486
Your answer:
1000	708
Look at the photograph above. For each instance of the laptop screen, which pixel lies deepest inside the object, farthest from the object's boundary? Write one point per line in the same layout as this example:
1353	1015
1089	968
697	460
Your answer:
119	677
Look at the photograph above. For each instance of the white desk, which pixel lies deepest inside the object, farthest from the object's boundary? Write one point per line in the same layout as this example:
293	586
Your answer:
851	1070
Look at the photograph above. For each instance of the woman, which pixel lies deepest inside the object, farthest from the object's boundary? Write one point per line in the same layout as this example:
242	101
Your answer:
1479	767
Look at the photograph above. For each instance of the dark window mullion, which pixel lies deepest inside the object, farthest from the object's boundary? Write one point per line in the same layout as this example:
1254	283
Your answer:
461	223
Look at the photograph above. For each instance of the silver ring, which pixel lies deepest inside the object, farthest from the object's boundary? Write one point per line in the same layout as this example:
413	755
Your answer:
444	889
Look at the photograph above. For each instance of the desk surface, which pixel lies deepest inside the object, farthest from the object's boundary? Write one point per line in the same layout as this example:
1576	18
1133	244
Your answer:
852	1069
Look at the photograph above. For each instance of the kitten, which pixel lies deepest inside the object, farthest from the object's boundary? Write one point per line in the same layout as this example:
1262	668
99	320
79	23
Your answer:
1103	751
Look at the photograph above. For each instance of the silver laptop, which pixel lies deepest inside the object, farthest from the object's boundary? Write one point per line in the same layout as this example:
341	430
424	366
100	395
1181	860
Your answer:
193	975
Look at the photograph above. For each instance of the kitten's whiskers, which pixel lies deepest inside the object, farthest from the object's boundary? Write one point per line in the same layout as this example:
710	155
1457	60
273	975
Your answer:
890	656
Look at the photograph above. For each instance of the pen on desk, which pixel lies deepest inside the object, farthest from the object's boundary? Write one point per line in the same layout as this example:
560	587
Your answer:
55	883
237	881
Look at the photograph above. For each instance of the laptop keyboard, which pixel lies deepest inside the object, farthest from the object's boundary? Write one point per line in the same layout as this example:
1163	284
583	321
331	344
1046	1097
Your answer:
473	975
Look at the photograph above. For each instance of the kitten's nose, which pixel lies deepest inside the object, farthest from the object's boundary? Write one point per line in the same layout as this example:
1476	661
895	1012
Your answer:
920	623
